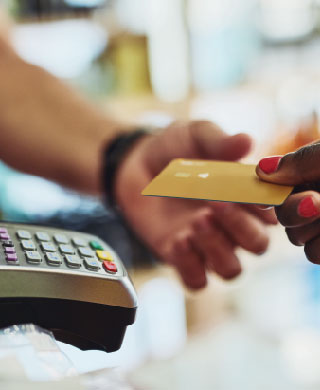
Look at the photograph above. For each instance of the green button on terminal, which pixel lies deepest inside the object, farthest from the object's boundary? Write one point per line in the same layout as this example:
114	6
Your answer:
96	245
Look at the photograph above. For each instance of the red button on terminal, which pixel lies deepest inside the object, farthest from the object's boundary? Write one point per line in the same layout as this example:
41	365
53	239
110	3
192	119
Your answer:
109	266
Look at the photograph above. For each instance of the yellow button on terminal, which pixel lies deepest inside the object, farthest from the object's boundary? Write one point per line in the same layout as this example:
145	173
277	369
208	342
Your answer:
105	255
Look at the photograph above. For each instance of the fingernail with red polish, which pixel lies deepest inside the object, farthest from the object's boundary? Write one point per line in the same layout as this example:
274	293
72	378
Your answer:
269	164
307	208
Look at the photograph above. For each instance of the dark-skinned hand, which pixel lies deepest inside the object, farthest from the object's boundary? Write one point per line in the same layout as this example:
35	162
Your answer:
300	213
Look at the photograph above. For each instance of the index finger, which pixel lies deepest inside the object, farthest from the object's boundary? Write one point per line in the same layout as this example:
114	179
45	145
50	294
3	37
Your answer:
299	209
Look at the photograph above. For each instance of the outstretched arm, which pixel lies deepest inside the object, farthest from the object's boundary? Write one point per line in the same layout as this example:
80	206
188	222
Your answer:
48	130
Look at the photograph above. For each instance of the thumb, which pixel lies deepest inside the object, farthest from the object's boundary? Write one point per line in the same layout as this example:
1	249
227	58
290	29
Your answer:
229	148
209	142
300	167
195	139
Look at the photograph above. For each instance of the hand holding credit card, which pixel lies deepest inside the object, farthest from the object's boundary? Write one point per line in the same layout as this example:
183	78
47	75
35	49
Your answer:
216	181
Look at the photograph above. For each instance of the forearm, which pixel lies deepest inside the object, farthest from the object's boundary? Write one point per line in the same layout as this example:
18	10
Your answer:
47	129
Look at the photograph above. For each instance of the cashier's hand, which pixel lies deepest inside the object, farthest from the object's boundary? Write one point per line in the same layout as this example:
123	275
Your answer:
301	211
193	236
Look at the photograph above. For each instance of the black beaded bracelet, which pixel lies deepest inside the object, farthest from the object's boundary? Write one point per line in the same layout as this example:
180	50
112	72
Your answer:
113	156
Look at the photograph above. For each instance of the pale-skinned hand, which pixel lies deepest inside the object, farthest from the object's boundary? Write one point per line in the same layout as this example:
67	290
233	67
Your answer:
193	236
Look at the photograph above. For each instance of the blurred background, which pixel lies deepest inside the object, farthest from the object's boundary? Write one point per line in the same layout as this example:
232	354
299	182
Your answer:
249	65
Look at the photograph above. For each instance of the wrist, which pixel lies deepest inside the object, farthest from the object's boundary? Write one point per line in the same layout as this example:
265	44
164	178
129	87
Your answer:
130	173
86	156
118	152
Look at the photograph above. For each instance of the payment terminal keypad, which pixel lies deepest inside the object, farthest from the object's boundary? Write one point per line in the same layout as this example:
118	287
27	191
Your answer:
71	283
42	249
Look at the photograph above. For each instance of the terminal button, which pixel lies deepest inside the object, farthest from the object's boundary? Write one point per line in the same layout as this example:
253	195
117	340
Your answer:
61	239
28	245
86	252
96	245
33	257
7	243
72	261
42	236
79	241
12	257
110	266
92	264
68	249
53	259
9	249
105	255
23	234
48	247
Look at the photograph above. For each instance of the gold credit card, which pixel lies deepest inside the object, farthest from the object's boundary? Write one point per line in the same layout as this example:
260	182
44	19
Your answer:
216	180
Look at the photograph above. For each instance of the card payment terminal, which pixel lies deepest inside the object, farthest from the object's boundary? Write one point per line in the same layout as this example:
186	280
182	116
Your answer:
71	283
